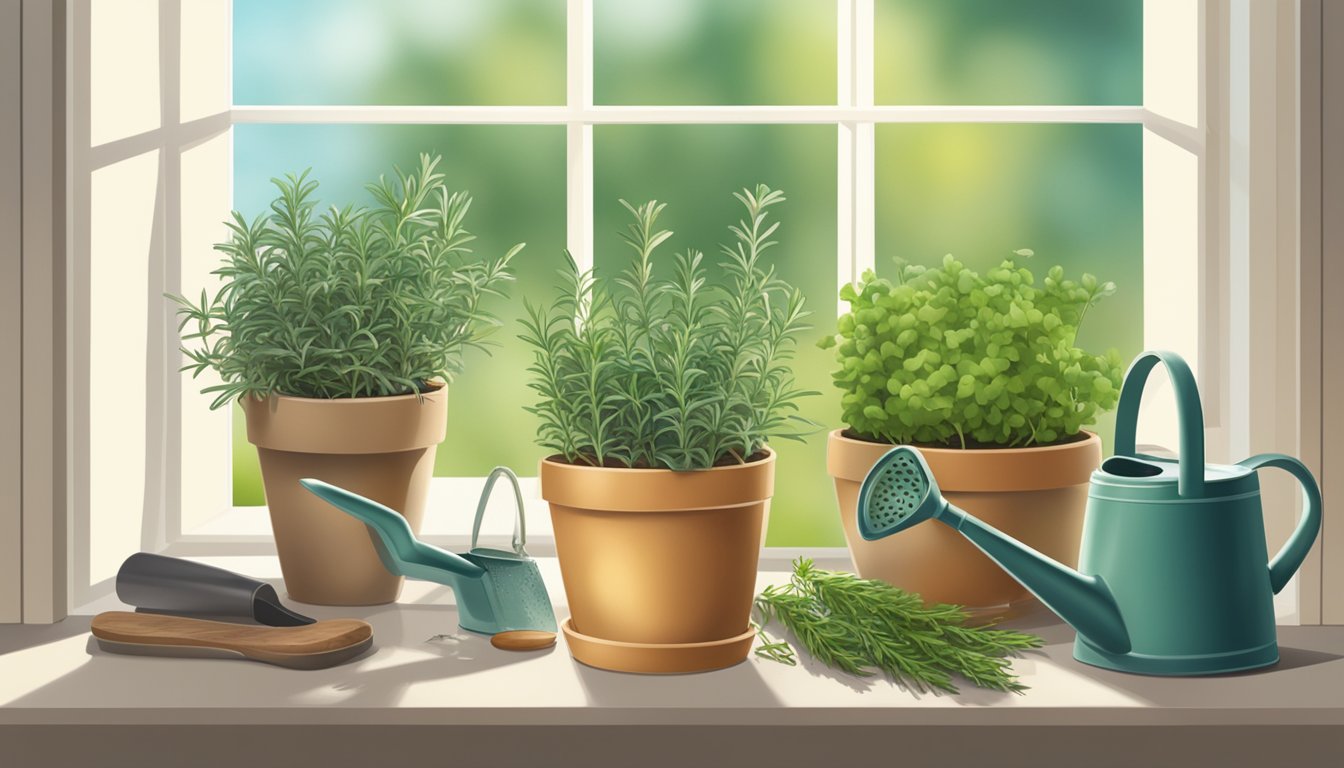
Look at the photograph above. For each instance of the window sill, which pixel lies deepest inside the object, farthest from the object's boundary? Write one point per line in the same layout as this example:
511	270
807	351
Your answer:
54	675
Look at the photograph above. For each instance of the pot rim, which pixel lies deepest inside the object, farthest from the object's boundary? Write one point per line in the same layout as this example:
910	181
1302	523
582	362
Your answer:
351	425
440	387
1031	468
769	456
839	434
625	489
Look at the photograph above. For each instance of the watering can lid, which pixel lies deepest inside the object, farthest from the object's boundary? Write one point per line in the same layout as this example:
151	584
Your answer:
1141	477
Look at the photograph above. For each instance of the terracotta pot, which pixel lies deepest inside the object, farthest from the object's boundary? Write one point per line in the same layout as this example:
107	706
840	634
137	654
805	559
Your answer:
379	447
659	566
1036	495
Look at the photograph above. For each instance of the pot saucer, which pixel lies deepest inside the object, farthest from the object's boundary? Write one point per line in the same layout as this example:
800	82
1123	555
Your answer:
656	658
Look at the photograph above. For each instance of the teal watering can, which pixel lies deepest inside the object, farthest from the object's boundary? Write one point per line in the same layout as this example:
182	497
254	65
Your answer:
1173	576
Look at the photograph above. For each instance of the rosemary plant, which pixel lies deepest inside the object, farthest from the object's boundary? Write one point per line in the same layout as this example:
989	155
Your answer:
356	302
679	373
860	625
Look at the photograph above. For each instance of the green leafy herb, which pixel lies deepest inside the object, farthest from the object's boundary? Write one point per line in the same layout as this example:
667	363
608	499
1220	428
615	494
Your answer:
861	625
948	357
680	373
357	302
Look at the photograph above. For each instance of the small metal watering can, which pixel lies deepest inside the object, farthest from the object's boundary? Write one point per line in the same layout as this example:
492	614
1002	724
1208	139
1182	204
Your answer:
1173	576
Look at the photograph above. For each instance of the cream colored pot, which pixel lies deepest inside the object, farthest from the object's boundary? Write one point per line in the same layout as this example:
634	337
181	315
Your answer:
1036	495
381	448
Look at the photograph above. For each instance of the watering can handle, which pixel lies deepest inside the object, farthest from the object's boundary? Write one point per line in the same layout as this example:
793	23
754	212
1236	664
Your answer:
1295	550
519	523
1188	410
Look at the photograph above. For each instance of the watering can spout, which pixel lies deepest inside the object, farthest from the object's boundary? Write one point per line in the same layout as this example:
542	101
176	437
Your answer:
1083	601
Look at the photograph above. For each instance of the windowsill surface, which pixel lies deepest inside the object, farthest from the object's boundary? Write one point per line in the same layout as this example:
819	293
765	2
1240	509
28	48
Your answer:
56	675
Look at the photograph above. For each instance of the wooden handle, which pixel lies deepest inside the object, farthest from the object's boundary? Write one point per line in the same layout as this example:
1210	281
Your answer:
252	641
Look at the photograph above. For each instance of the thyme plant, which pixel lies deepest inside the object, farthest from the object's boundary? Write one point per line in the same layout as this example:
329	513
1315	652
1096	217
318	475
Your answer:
681	372
354	302
947	357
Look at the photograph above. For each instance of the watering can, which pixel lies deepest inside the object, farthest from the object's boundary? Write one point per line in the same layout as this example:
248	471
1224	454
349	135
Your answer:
496	590
1173	575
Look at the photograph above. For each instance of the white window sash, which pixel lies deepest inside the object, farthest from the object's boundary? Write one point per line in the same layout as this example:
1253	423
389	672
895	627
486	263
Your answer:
854	115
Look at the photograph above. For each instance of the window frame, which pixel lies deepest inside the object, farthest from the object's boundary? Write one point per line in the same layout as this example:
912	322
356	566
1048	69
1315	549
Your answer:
855	116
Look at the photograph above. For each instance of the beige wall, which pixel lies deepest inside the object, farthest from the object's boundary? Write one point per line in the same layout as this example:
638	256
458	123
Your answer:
11	604
1331	255
32	311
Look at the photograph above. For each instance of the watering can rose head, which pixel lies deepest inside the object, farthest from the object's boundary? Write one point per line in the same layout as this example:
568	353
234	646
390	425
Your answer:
950	357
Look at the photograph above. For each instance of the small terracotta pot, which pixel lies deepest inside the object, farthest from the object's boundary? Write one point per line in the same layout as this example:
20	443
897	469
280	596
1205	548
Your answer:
664	561
379	447
1036	495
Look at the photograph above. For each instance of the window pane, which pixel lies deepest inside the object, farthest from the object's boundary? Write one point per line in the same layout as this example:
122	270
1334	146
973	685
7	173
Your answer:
1071	193
695	170
123	205
516	175
123	69
399	52
1020	52
714	52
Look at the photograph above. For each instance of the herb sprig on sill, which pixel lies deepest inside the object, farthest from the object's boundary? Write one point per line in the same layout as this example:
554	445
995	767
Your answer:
862	626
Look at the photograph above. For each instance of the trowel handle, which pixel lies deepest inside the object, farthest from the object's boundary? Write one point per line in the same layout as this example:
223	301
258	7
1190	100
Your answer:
1295	550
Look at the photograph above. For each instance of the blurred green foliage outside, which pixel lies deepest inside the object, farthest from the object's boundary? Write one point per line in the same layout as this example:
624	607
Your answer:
1073	193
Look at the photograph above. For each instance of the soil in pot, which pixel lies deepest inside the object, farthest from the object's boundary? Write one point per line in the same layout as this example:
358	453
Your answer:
379	447
1036	495
657	564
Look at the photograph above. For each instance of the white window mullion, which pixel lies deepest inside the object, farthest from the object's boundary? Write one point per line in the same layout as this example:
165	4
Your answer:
862	195
680	115
844	144
861	53
579	193
579	133
844	53
865	198
844	207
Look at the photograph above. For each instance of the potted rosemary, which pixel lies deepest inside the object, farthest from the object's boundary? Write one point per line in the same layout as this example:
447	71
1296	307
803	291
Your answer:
983	374
339	333
658	396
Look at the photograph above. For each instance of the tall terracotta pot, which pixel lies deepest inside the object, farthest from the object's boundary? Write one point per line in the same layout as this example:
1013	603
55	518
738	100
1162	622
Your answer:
659	566
379	447
1036	495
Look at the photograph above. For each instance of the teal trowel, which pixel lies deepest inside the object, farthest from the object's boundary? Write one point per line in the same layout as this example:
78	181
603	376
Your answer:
497	591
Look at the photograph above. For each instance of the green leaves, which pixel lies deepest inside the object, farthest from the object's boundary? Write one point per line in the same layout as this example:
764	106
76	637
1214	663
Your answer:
679	373
946	356
860	625
356	302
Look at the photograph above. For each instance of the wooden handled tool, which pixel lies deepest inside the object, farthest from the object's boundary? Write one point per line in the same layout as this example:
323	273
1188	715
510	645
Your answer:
314	646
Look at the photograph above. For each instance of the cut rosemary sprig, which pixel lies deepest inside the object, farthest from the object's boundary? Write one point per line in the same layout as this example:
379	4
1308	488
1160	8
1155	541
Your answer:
862	625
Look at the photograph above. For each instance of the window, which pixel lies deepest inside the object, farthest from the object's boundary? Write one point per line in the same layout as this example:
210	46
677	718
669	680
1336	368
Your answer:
897	128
